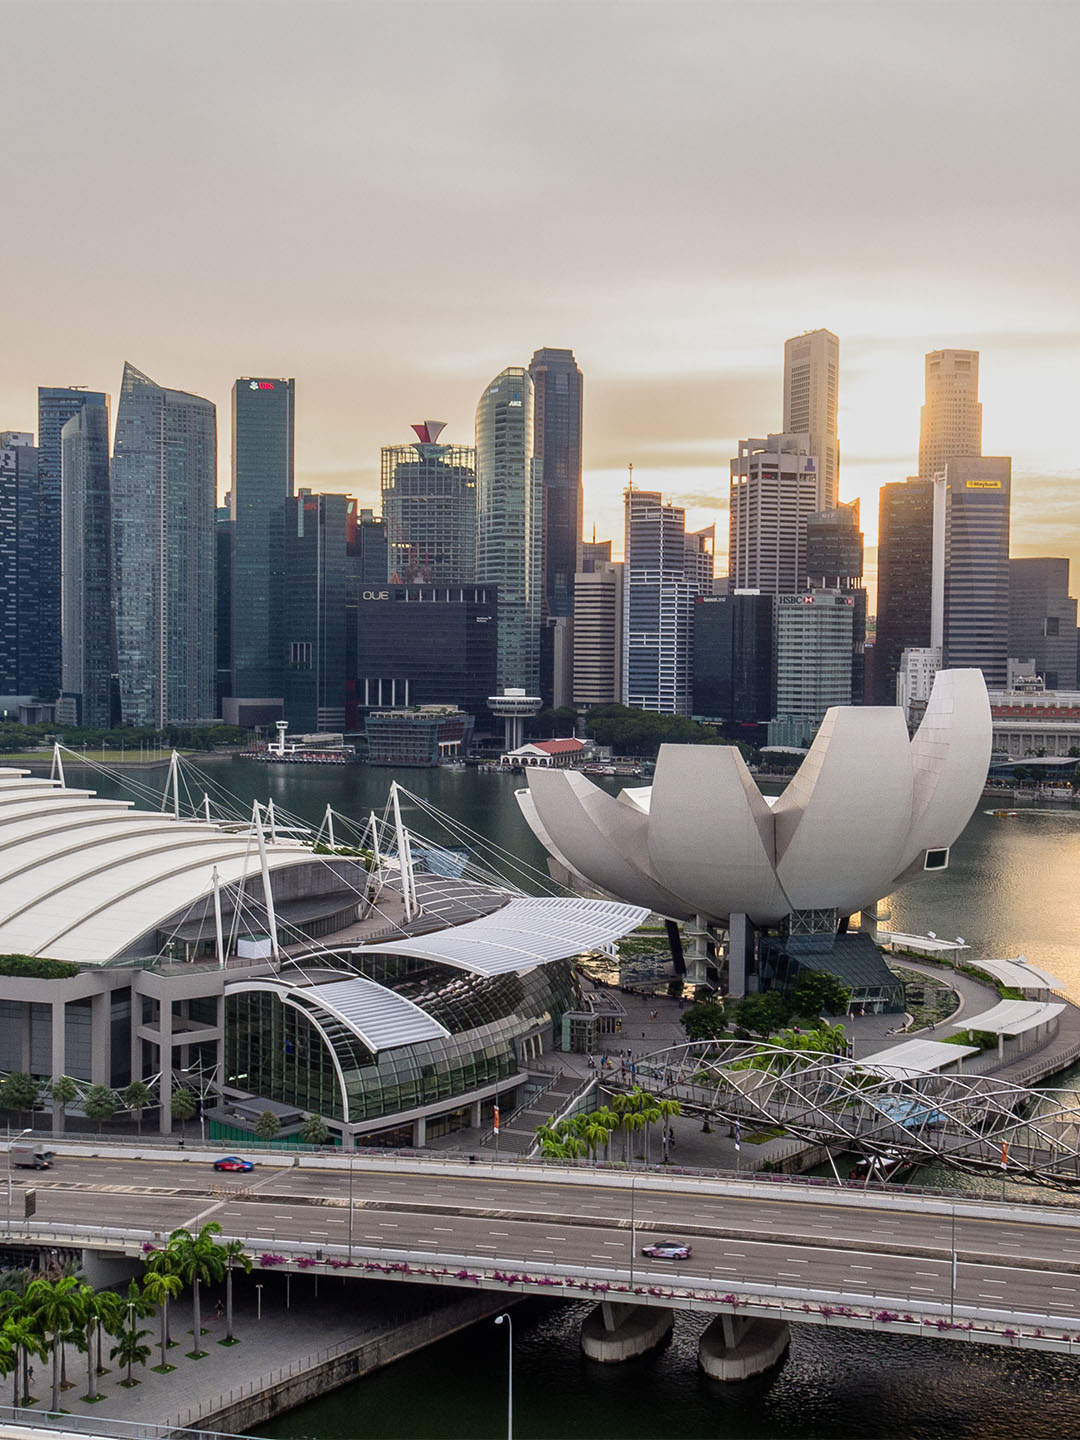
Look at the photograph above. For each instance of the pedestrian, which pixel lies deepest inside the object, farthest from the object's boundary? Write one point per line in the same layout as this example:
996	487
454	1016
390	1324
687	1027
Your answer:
219	1309
180	1143
643	1034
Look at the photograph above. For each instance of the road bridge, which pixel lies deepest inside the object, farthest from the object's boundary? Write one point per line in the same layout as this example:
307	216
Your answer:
929	1264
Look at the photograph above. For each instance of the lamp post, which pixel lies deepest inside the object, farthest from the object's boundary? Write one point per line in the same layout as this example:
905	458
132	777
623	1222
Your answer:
633	1232
10	1143
509	1374
351	1158
258	1302
952	1288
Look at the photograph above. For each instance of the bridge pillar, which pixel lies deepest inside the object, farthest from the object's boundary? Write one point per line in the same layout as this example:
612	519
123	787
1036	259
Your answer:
735	1347
614	1332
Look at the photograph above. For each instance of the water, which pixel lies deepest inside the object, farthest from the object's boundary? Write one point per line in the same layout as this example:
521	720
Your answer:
1011	887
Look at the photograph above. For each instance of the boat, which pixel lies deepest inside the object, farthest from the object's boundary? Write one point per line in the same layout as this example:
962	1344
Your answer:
1005	814
281	753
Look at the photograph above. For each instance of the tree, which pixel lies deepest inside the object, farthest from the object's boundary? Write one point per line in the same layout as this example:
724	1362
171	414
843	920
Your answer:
137	1096
763	1012
22	1333
62	1092
235	1256
819	993
633	1121
267	1125
183	1106
314	1130
130	1349
704	1021
161	1286
55	1309
668	1109
100	1104
198	1261
19	1092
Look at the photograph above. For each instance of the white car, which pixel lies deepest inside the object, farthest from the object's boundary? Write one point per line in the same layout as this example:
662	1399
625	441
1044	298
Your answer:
667	1250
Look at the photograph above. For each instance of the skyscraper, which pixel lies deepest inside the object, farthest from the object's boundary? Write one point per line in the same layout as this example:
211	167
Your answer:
952	416
813	660
1042	619
905	579
774	491
429	508
164	492
56	406
317	567
557	404
89	633
834	561
734	667
263	412
510	522
811	388
19	625
658	599
977	565
598	627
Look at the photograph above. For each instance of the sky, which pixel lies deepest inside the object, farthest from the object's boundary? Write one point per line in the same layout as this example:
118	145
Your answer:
394	201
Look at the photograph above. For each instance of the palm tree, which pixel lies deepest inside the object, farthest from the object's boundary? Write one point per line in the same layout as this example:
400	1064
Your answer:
595	1134
650	1112
235	1255
668	1109
163	1262
25	1337
137	1096
183	1106
130	1350
161	1286
110	1317
91	1308
55	1309
9	1359
62	1091
197	1260
632	1121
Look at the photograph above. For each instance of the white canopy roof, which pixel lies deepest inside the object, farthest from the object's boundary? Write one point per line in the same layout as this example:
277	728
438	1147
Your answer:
1020	974
912	1058
378	1017
523	933
1011	1017
930	943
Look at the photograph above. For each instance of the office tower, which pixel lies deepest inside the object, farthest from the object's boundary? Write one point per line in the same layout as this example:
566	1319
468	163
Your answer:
19	513
774	491
813	658
834	561
598	627
164	491
952	416
657	605
1042	619
427	645
88	679
56	406
263	413
700	564
976	620
905	579
368	545
811	387
317	569
429	507
733	658
510	523
557	403
223	544
594	552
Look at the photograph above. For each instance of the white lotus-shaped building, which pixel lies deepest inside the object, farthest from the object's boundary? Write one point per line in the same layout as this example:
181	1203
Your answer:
867	808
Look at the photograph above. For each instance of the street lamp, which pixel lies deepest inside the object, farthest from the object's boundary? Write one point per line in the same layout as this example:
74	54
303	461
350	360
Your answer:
351	1158
10	1143
509	1374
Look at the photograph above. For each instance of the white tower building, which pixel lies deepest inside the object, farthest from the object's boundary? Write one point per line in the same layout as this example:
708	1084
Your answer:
811	387
774	491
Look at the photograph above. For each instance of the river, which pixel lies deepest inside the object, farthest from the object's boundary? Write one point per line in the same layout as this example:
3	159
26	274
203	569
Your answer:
1011	887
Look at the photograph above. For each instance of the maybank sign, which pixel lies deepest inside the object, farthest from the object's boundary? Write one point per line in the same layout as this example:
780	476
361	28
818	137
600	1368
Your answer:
983	484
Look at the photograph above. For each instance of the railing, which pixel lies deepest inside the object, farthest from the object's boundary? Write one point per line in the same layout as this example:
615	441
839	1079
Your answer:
101	1426
525	1105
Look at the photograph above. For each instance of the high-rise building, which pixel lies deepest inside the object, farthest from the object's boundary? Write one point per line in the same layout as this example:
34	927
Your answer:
658	599
88	679
811	389
19	511
834	561
594	552
510	523
164	492
734	677
598	627
368	545
700	561
813	658
952	416
429	508
557	406
317	570
905	579
263	422
223	544
774	491
56	406
1042	619
976	617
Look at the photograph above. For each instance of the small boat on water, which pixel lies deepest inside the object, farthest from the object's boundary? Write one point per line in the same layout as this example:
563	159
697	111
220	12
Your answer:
1005	814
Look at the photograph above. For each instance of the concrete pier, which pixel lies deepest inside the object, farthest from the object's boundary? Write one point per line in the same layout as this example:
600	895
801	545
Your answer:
614	1332
737	1347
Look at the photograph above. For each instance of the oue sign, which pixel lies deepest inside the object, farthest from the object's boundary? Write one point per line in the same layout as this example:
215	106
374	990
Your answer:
376	595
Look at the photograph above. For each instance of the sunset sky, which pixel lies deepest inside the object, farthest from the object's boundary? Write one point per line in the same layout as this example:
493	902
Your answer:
393	201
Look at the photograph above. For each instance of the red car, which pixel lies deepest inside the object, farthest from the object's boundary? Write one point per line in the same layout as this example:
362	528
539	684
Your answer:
233	1162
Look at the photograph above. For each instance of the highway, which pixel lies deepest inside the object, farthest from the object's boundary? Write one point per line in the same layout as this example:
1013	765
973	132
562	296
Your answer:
887	1249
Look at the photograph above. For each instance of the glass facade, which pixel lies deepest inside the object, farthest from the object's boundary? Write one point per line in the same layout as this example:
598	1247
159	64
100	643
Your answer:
733	658
317	570
164	490
89	634
557	400
19	615
659	600
262	486
905	565
416	737
429	508
278	1051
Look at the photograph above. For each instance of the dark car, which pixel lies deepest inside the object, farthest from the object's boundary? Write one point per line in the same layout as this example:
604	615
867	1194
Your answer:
667	1250
233	1162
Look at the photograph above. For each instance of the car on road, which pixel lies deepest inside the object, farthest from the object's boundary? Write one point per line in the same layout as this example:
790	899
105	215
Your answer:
233	1162
667	1250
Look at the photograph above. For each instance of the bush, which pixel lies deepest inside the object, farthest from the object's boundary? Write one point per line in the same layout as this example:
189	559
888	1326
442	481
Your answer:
35	967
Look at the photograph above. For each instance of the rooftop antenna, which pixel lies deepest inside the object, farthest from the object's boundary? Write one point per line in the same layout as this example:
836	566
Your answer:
630	484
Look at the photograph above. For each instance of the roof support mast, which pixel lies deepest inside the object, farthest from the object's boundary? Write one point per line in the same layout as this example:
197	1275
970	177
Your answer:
408	881
57	770
268	894
217	919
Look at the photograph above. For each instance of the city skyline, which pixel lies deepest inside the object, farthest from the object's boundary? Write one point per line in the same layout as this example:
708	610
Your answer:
676	306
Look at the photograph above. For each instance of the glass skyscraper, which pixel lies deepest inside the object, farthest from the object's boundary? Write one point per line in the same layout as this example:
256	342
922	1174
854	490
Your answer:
557	403
18	563
262	485
429	508
317	569
164	492
659	600
89	633
509	523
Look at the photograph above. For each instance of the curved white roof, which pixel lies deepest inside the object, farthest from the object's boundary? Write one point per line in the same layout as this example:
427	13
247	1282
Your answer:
914	1057
523	933
379	1017
83	879
1019	974
1012	1017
